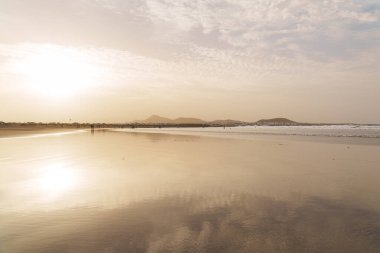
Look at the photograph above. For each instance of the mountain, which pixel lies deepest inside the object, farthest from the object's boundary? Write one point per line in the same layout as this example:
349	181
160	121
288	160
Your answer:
276	122
158	120
155	119
188	121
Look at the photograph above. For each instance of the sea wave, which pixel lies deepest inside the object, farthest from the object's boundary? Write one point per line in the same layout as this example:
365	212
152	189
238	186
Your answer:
358	131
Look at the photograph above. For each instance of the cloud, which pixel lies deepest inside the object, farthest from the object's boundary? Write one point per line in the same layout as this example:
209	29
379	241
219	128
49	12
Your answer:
319	30
277	27
220	44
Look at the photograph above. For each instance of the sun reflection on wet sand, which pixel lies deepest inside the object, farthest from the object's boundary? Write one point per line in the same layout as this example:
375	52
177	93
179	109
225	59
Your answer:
137	192
57	179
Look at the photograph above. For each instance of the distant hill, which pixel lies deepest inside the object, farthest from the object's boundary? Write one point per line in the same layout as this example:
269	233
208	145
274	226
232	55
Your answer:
155	119
188	121
276	122
158	120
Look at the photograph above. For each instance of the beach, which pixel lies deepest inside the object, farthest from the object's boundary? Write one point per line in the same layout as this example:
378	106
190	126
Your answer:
189	191
9	132
157	126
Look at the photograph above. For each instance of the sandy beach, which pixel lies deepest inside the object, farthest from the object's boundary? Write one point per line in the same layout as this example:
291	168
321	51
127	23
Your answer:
7	132
218	126
157	192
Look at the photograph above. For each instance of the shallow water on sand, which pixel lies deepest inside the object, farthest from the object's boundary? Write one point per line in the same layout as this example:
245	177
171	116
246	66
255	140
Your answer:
153	192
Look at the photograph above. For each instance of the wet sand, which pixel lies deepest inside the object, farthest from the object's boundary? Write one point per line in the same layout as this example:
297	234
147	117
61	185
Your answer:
6	132
153	192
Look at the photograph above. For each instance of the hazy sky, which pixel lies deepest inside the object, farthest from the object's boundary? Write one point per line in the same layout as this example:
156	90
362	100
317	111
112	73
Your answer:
120	60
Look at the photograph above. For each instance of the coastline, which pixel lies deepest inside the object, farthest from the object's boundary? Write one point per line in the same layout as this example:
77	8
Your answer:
7	132
242	133
119	182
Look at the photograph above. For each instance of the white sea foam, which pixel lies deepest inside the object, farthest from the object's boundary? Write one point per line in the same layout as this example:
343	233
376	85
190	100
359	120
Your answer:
363	131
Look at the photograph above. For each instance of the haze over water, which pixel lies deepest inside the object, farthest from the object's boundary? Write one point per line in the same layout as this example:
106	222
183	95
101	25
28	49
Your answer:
117	191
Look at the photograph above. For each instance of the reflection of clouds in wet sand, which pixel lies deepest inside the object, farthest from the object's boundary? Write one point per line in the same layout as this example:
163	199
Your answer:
197	224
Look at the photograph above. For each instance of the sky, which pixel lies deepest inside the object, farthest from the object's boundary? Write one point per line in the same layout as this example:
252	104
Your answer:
122	60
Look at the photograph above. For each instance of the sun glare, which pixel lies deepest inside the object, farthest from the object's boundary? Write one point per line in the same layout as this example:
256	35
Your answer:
57	179
57	72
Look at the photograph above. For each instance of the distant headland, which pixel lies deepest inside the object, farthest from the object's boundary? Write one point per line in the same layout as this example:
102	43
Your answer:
158	120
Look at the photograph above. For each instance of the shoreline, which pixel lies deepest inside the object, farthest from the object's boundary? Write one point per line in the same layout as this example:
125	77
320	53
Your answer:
349	140
9	132
36	131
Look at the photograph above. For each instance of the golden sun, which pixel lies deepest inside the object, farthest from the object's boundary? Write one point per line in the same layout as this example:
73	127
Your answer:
57	72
